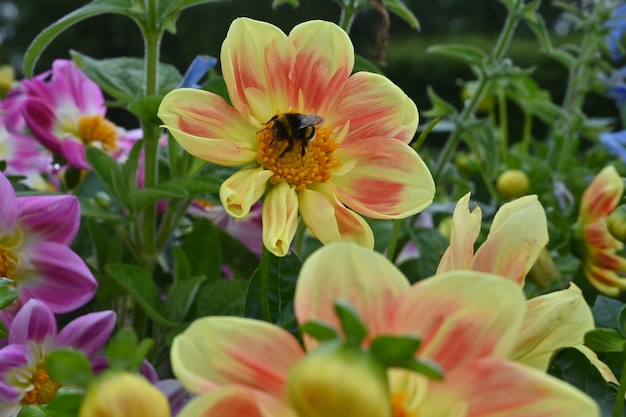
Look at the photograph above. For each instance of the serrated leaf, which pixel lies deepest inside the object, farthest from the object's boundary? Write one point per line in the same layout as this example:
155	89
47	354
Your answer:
8	293
604	340
45	37
139	285
466	53
69	367
400	9
202	247
140	199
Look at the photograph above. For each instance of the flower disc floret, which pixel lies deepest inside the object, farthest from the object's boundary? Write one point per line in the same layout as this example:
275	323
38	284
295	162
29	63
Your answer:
44	388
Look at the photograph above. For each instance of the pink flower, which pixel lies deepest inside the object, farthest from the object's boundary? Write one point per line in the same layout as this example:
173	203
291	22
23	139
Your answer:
35	234
65	111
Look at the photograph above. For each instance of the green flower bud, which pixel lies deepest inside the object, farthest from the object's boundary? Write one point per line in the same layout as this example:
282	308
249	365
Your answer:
616	223
544	272
339	380
513	183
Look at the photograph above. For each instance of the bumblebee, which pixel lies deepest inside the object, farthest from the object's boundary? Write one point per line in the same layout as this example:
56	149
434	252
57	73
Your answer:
294	126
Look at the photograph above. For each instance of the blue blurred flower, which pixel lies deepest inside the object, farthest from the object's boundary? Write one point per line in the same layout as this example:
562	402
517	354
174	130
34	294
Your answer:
198	68
617	27
615	143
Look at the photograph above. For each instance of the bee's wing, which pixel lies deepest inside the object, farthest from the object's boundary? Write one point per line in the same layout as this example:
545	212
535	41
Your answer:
311	119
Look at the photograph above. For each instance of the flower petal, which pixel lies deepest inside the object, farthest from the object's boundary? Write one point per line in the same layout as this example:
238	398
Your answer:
364	278
374	106
243	189
492	387
8	206
52	218
62	280
465	230
74	152
87	333
553	321
519	232
236	401
207	127
330	221
388	180
14	356
33	322
41	120
451	311
606	281
280	218
215	351
324	61
257	60
602	195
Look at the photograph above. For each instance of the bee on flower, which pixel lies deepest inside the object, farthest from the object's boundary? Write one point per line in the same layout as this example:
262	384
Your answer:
310	138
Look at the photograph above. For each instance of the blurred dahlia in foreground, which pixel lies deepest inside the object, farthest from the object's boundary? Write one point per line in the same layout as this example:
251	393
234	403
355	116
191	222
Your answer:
468	323
310	137
601	264
35	234
65	111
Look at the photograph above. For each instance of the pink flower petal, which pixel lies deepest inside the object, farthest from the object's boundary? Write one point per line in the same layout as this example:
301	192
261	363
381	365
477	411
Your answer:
51	218
87	333
74	153
33	322
41	120
8	206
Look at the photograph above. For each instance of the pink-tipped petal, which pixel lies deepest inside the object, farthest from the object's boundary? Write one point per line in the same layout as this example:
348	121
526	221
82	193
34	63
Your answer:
454	310
330	221
466	224
41	120
87	333
8	205
602	195
74	153
71	86
493	387
236	401
15	356
62	279
388	180
519	232
324	61
216	351
257	59
243	189
364	278
280	218
374	106
207	127
51	218
33	322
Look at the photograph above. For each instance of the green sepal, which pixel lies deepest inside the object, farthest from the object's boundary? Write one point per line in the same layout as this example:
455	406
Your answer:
319	330
8	293
395	351
353	327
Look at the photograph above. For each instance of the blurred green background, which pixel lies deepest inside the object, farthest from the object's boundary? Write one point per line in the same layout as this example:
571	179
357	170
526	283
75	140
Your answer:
201	30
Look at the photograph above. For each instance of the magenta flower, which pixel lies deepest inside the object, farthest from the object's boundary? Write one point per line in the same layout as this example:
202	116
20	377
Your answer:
35	234
65	111
32	336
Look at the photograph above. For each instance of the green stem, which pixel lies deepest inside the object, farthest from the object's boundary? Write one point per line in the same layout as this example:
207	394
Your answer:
347	16
527	133
504	126
265	283
393	240
499	51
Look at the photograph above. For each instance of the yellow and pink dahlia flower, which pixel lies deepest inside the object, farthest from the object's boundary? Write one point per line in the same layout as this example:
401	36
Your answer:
355	161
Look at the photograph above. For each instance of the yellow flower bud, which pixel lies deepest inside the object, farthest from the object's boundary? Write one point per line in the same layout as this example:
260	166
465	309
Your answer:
616	223
337	380
7	78
513	183
122	394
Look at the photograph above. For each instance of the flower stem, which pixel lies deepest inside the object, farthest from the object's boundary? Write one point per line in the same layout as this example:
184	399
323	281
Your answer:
504	126
265	284
347	16
393	241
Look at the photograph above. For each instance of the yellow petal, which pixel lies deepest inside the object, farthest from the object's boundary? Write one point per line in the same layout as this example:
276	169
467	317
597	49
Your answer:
602	195
553	321
280	218
207	127
242	189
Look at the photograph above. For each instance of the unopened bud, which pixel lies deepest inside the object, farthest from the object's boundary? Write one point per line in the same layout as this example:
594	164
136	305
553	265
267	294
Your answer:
544	272
513	183
339	380
616	223
7	78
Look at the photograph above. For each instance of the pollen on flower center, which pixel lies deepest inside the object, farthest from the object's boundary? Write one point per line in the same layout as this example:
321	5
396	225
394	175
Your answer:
8	262
296	169
96	128
44	388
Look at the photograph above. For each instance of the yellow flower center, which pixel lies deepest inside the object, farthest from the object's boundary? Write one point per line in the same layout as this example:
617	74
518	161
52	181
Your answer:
291	166
44	389
8	262
96	128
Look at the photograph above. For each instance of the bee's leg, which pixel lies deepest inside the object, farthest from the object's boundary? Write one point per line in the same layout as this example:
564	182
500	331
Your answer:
303	149
287	149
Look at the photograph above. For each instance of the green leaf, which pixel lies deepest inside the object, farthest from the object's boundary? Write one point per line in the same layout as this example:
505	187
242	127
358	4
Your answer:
90	210
572	366
397	7
364	64
66	402
606	312
395	351
276	3
351	323
95	8
139	285
217	85
319	330
621	322
183	291
32	411
205	184
441	108
69	367
8	293
108	171
221	298
283	274
140	199
431	245
604	340
4	332
123	78
202	247
466	53
146	109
